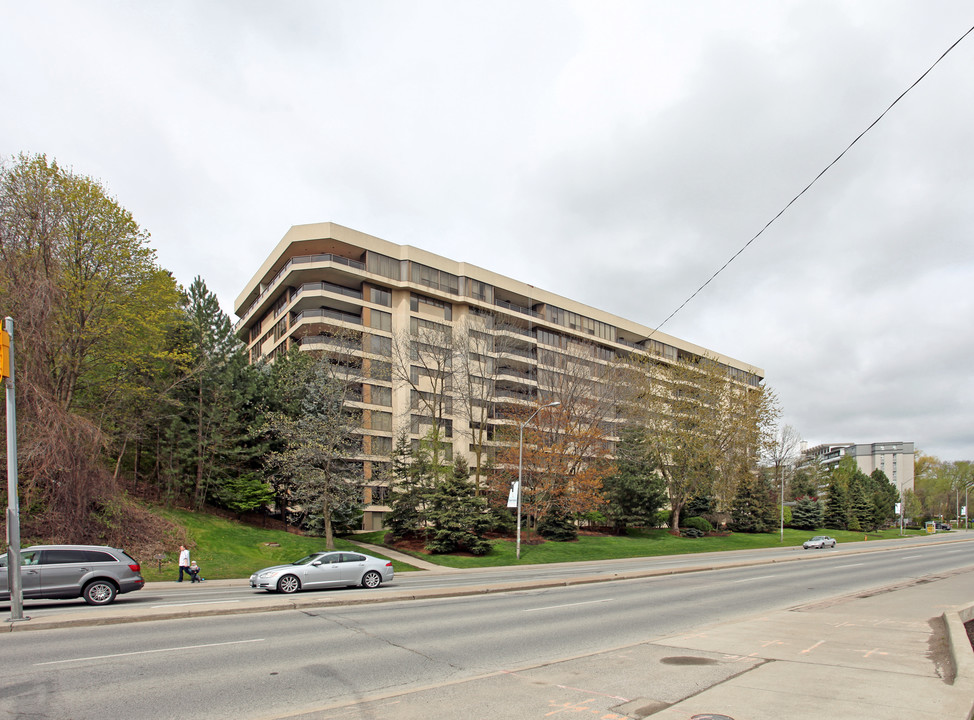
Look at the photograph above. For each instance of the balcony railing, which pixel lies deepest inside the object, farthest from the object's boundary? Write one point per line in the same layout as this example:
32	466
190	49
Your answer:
300	260
517	308
328	313
330	287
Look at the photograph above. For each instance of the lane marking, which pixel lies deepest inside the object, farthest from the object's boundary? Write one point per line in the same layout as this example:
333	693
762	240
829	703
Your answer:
841	567
147	652
201	602
553	607
809	649
763	577
911	557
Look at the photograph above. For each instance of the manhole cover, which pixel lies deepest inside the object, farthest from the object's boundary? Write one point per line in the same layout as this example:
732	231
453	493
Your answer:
688	660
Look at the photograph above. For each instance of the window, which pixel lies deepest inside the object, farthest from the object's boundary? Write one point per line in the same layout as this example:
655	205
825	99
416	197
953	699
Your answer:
381	420
382	265
380	495
380	320
480	290
379	370
380	296
436	279
380	345
379	395
56	557
381	445
426	327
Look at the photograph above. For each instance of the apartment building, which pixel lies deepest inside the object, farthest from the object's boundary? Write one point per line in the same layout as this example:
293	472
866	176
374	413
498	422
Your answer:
894	458
323	281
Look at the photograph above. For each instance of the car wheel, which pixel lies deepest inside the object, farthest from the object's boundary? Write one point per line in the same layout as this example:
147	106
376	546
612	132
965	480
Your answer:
371	579
99	592
288	584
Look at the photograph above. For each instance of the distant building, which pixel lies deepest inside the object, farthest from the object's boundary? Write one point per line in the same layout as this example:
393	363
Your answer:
893	458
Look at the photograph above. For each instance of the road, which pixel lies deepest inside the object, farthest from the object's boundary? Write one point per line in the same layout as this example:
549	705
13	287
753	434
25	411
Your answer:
275	664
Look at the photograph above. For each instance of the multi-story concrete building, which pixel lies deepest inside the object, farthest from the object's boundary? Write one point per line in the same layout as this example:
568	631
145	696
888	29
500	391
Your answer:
895	459
325	279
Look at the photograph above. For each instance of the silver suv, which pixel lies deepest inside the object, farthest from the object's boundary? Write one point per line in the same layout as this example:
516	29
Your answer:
95	572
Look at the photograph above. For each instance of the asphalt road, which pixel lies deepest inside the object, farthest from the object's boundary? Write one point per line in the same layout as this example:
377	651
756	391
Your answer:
275	664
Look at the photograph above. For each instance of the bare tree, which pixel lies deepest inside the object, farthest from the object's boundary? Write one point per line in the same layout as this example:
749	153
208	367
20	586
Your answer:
425	359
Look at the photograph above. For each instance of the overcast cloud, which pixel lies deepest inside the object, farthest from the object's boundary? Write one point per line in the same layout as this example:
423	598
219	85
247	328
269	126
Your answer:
617	153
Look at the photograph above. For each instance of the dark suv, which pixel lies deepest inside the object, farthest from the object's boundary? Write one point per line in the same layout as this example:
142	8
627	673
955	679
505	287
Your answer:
95	572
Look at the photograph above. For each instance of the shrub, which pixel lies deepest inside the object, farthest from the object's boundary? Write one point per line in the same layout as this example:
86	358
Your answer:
557	526
691	532
697	523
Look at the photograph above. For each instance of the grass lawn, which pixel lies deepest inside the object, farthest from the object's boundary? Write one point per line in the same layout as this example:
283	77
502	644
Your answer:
641	543
228	549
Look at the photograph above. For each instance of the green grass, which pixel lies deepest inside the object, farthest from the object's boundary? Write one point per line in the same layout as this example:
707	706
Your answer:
643	543
228	549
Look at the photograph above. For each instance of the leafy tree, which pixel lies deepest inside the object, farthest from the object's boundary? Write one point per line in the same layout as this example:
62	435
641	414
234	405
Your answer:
92	307
706	430
635	492
317	441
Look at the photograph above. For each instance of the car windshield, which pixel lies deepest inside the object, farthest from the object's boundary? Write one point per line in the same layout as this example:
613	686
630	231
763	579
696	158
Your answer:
307	560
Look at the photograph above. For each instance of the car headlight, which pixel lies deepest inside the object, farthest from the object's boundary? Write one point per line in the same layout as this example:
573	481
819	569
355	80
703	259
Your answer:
267	574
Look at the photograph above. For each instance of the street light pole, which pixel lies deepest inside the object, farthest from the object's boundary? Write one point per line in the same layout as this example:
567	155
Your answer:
520	470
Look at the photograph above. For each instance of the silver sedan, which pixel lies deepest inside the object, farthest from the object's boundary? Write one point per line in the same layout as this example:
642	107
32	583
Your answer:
324	569
819	541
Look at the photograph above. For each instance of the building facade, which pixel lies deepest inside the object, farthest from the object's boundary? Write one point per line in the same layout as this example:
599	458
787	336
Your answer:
895	459
324	281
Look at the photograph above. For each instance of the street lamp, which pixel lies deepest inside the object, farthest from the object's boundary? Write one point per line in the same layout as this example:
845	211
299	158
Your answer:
520	470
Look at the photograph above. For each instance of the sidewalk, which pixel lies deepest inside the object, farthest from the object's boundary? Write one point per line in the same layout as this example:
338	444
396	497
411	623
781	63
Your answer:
899	653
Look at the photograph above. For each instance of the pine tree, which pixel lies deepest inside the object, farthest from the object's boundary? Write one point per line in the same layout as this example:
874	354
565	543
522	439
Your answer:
459	518
836	507
807	514
635	492
752	508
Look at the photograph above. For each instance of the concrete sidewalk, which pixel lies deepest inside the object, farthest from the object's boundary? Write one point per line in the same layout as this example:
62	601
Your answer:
897	653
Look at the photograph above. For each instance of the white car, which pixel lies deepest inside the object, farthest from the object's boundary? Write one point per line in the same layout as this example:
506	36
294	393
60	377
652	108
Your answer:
324	569
819	541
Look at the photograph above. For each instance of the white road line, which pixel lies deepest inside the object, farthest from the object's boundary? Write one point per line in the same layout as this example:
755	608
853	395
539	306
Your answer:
201	602
840	567
911	557
146	652
553	607
763	577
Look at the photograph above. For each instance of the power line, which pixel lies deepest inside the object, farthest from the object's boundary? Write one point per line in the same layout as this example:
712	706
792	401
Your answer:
814	180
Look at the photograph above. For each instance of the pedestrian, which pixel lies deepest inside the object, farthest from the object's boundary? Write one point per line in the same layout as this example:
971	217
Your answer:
183	562
194	572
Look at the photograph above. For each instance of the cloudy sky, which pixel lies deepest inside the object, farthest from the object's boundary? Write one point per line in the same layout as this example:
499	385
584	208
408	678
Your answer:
617	153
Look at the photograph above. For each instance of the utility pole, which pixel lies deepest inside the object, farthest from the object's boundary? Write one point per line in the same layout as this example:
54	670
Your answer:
13	504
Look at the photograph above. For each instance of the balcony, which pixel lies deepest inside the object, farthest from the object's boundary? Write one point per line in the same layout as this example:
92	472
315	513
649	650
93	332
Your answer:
288	267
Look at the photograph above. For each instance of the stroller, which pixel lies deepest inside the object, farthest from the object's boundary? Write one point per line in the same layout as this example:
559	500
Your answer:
194	572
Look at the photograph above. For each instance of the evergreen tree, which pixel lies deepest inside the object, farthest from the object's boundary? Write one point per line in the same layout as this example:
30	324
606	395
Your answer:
860	502
635	492
752	509
836	507
807	514
884	497
459	518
